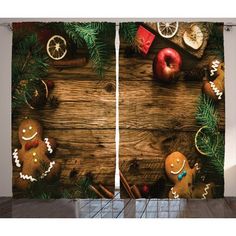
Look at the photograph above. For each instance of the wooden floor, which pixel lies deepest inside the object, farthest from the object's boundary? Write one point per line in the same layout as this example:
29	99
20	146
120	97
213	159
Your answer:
117	208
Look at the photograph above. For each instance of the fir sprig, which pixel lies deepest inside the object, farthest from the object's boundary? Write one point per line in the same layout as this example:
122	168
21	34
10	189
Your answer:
128	32
94	35
210	141
83	188
206	113
29	64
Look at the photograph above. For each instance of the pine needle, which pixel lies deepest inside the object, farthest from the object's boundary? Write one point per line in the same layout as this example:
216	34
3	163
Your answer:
206	113
29	64
128	32
94	35
211	140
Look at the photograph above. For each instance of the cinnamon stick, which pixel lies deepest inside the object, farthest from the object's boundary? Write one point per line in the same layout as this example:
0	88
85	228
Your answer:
91	187
126	185
106	191
135	191
70	63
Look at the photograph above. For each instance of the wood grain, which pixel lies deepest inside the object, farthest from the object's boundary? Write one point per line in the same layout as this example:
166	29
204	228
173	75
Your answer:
151	105
139	67
83	73
83	124
157	119
143	152
73	115
82	151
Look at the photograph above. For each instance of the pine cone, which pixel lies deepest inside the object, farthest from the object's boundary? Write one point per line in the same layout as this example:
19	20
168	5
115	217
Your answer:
53	102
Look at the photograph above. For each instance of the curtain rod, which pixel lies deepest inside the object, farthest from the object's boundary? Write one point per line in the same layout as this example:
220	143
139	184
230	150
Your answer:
227	26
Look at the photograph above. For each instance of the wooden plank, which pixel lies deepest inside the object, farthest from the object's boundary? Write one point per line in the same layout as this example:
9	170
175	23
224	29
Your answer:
143	152
80	142
83	124
83	73
33	208
76	90
83	104
155	144
83	151
150	105
155	118
140	68
73	115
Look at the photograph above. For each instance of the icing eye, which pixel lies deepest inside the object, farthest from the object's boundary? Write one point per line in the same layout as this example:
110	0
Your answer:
177	160
30	127
34	154
172	165
23	130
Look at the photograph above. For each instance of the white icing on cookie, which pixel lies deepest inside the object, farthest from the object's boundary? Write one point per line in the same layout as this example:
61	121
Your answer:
52	163
49	147
16	158
174	193
197	167
28	177
177	172
205	191
214	67
29	138
216	90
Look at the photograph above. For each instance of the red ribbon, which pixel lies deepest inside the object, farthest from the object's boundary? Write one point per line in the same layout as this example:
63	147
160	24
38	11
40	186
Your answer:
143	45
32	144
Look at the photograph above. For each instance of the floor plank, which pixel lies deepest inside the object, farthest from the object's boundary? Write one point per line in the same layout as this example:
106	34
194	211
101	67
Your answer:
117	208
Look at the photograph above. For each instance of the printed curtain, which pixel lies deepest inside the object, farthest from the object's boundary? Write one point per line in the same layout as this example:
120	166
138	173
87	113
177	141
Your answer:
171	110
63	107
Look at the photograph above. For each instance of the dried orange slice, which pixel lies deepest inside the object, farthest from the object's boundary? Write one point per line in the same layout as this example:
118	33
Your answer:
203	138
167	29
56	47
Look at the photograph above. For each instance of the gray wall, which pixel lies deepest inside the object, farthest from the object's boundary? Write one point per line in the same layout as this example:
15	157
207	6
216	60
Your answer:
5	102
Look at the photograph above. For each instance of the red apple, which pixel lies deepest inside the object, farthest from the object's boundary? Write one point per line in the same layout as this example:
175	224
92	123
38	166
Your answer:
167	65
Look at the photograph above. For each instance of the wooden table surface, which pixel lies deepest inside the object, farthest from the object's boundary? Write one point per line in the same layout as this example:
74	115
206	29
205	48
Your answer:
155	118
83	124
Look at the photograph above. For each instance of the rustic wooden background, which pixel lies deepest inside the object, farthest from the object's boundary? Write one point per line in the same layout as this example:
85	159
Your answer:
83	124
156	119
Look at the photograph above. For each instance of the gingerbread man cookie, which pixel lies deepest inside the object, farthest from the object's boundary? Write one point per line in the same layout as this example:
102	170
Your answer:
215	88
179	172
32	157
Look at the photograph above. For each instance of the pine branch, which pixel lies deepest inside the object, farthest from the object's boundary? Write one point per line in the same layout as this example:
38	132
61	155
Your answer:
128	32
83	188
28	65
211	141
206	113
89	33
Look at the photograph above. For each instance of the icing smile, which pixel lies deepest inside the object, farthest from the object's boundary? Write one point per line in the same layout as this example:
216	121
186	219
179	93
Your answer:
177	172
29	138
